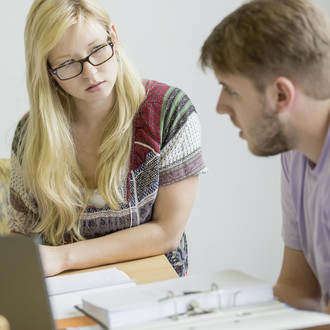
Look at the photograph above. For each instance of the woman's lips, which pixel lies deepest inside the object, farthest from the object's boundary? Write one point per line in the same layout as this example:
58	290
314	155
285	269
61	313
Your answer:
95	87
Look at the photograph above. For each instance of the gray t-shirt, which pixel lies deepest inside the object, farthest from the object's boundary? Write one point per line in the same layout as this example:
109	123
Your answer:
306	211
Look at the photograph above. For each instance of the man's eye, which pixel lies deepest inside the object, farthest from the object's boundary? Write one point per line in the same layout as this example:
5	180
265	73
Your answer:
229	91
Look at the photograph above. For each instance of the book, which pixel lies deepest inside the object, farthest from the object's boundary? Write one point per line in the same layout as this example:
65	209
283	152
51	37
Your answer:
190	295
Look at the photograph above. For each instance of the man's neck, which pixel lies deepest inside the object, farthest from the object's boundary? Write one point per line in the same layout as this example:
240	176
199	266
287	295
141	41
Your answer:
313	131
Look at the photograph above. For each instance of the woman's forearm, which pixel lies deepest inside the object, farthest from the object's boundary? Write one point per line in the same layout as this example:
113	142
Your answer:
138	242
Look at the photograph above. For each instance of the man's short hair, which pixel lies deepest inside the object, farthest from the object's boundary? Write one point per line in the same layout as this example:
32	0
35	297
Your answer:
264	39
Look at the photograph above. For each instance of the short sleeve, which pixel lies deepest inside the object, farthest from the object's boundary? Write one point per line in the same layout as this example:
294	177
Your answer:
180	153
22	210
290	230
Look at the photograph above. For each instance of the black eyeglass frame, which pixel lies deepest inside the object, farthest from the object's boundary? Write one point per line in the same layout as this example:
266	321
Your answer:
82	61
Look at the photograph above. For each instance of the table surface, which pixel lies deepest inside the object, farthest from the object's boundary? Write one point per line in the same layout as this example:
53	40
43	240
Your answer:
144	270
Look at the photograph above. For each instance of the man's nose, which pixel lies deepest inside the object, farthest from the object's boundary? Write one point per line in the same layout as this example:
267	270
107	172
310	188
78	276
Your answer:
222	106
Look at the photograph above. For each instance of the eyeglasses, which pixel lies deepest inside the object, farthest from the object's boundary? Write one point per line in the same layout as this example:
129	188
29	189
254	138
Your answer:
73	69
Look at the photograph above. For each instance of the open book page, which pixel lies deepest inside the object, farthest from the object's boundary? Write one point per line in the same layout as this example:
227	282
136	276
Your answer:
84	281
66	291
223	289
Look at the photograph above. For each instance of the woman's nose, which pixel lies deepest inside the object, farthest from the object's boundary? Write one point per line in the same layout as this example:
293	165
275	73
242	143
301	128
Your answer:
88	70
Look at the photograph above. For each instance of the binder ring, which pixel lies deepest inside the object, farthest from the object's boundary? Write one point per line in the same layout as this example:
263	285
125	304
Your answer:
171	296
215	287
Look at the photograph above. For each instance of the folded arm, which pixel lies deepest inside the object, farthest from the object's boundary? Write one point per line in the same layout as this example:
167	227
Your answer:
297	284
162	234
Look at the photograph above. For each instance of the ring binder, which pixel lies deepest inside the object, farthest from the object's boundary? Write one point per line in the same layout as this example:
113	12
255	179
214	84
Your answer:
194	307
215	300
179	299
171	296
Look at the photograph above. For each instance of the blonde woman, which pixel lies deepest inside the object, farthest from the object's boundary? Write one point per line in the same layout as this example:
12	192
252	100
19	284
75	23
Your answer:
104	165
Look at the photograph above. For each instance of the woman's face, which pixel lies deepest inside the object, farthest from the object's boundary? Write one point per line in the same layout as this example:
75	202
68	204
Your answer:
95	85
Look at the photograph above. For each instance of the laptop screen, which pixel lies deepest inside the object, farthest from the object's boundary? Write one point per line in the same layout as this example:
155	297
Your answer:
23	293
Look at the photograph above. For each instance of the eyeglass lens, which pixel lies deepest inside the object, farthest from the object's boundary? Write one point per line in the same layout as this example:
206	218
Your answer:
98	57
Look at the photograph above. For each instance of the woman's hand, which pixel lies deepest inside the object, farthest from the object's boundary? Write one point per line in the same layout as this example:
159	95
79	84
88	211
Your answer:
162	234
53	259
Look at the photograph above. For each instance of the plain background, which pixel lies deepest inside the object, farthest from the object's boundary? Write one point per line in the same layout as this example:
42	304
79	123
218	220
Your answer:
236	220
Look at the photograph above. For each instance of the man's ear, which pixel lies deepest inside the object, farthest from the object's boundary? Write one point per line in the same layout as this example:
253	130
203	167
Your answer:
284	92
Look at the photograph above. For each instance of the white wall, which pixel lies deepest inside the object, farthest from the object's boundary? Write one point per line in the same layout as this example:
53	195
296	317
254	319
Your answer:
236	220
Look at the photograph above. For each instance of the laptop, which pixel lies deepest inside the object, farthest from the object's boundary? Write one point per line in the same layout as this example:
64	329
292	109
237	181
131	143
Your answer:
23	293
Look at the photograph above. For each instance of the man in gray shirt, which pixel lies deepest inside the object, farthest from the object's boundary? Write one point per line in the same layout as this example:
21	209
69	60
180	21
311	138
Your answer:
272	58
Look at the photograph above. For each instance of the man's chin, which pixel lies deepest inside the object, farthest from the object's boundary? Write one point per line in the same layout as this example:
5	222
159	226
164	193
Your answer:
265	152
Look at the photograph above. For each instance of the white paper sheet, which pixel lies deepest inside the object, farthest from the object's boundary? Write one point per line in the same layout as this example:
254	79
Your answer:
66	291
84	281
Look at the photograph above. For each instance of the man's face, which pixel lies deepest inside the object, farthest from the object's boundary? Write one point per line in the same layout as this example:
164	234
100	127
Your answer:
252	113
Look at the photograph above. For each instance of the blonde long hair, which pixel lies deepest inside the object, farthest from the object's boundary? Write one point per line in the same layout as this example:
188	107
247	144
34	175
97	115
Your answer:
51	171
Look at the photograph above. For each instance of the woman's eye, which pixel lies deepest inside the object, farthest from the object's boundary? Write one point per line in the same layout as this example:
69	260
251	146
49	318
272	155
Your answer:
97	47
67	62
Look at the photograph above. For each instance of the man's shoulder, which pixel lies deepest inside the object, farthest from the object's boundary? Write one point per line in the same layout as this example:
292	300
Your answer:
291	158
